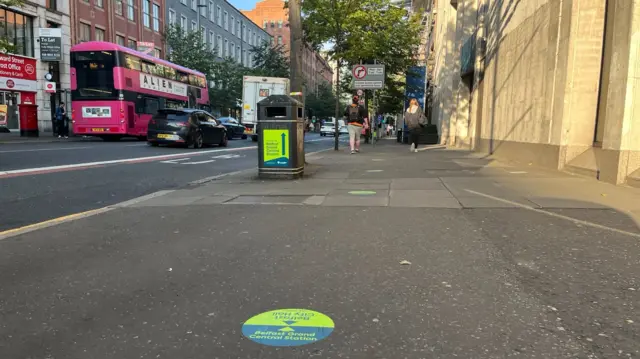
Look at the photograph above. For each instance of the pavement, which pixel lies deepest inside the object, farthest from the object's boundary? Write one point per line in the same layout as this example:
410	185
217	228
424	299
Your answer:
436	254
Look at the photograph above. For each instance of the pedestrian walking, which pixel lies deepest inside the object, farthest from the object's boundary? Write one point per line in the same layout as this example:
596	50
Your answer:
61	121
357	121
415	120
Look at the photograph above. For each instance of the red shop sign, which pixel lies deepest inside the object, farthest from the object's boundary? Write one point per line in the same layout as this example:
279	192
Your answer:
17	67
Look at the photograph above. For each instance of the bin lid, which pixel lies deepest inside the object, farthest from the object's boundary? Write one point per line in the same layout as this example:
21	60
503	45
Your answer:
279	100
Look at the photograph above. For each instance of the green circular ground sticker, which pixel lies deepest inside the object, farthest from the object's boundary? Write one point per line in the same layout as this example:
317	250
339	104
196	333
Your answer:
362	193
288	327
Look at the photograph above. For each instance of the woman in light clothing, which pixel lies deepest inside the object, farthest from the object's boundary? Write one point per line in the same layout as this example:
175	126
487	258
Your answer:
414	118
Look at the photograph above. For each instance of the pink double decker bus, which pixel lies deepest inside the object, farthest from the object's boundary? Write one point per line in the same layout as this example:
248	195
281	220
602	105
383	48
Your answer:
115	90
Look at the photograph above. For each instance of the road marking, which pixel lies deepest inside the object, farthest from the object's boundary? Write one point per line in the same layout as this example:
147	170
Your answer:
570	219
176	160
46	149
197	163
141	199
52	222
41	170
228	157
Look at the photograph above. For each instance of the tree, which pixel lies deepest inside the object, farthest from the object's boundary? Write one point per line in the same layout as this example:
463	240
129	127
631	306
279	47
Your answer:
226	94
363	31
269	61
188	49
6	44
321	102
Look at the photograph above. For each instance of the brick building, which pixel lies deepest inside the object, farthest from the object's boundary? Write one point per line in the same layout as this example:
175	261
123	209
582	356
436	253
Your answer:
130	23
545	82
274	18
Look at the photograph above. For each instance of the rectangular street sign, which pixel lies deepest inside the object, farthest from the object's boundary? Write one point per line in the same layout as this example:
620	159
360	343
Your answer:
367	76
50	44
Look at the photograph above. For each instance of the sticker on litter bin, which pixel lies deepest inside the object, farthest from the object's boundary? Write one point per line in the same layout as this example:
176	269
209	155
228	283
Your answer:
288	327
276	148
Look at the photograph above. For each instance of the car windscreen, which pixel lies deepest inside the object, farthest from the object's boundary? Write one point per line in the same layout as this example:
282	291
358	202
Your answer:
94	74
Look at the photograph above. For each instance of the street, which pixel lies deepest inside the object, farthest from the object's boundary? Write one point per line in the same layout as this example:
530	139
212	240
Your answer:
383	254
62	178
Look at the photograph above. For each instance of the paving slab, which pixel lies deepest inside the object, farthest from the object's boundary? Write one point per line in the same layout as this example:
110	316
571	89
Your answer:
268	200
213	200
358	201
165	201
417	183
423	198
546	202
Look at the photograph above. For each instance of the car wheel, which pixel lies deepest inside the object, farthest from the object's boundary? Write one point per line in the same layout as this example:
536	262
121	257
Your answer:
225	141
244	137
254	138
230	135
195	141
142	138
153	144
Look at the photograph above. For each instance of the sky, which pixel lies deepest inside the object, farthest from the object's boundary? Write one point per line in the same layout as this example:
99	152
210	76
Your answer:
243	4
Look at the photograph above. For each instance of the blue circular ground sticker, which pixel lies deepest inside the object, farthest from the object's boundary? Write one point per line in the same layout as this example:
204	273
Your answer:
288	327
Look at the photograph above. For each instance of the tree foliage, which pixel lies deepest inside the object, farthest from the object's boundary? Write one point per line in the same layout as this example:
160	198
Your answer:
188	49
226	94
6	44
321	103
364	31
269	61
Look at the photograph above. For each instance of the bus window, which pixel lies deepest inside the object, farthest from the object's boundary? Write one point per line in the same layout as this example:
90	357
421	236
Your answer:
198	93
182	77
132	63
147	68
151	105
170	73
94	74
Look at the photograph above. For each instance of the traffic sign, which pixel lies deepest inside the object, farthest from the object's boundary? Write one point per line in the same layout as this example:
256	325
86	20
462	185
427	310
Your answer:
368	76
360	92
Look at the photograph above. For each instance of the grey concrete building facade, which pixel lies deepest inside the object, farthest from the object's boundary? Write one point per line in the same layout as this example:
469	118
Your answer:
223	27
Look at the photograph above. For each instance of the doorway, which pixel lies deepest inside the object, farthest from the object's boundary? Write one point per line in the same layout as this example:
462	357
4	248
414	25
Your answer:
11	100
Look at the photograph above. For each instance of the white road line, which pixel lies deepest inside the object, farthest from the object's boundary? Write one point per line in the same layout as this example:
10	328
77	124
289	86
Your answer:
198	162
126	160
46	149
176	160
552	214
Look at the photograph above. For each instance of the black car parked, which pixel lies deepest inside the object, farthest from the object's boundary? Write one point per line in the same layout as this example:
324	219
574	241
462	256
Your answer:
234	128
191	127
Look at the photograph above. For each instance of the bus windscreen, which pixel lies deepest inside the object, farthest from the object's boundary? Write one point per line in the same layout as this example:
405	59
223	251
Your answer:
94	74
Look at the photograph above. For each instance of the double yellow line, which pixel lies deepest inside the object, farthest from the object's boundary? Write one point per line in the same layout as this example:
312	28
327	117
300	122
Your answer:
52	222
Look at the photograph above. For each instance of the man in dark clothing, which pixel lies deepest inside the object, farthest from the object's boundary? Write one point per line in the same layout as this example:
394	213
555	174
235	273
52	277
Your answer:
61	119
356	119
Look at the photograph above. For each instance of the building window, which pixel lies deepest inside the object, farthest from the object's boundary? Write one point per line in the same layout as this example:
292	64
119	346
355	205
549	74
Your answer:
118	7
52	5
156	17
203	9
226	47
226	21
273	24
203	32
146	4
157	53
130	10
194	5
194	26
212	13
253	39
172	17
132	44
183	23
212	40
219	12
279	40
99	3
183	2
279	24
238	27
99	34
239	54
85	32
233	50
265	23
233	26
120	40
219	46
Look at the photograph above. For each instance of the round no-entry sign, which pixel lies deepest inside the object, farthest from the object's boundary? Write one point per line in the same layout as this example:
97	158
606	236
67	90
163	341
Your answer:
359	72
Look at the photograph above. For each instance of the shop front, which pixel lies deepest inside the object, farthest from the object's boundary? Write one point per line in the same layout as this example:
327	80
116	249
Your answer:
18	86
